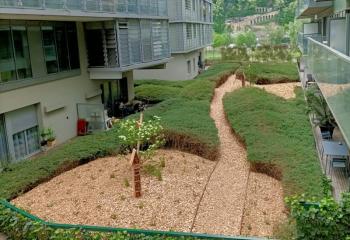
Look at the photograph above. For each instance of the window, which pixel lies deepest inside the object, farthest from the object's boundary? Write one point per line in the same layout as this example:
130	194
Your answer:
189	31
194	65
188	4
188	66
194	5
194	31
14	53
60	45
3	141
23	132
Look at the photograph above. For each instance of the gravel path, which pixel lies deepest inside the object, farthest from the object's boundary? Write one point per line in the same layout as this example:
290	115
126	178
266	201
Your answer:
237	201
221	209
284	90
2	237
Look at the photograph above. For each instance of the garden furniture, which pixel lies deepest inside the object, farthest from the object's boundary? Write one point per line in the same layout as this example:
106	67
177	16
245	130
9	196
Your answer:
334	150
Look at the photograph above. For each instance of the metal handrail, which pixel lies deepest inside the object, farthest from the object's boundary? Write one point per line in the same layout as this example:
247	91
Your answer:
122	230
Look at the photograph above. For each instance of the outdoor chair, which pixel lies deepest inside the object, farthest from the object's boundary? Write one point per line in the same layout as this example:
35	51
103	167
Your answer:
337	162
326	135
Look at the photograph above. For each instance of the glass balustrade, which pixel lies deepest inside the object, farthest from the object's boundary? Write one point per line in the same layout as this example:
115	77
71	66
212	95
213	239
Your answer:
331	69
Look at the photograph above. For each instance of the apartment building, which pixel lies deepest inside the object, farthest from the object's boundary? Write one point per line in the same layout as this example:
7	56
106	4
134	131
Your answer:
325	42
64	60
190	25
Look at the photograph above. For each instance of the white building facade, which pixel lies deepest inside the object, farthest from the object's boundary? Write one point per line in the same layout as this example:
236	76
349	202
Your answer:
64	60
191	32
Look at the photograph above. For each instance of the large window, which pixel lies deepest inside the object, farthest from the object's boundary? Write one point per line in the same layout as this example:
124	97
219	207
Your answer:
60	47
189	31
14	53
3	141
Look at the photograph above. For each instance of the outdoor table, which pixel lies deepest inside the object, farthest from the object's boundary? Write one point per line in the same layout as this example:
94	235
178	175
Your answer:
334	149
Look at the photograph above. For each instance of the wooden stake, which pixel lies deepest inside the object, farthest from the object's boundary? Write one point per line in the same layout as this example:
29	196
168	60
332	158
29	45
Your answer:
136	165
139	126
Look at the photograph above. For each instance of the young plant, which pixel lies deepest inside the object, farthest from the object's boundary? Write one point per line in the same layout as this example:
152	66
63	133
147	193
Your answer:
149	135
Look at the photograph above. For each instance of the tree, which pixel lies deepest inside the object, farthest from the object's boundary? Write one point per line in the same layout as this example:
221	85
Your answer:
246	39
219	16
286	12
223	39
275	35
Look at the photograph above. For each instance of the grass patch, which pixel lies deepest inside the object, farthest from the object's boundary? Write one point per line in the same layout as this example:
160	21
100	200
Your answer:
269	73
278	133
23	176
185	112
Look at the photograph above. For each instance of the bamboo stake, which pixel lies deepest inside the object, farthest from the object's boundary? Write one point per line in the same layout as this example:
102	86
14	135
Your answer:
139	126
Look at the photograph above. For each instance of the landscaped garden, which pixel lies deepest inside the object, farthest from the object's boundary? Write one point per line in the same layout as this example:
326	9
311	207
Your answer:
208	173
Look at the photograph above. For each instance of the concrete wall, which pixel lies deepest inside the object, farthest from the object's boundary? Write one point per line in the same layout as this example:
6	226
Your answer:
176	69
66	92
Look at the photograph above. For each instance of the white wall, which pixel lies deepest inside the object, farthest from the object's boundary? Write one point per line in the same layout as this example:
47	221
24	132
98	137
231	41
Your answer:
65	92
176	69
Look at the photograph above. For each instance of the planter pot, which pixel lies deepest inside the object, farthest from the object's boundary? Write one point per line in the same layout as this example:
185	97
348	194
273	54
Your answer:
51	143
328	128
43	143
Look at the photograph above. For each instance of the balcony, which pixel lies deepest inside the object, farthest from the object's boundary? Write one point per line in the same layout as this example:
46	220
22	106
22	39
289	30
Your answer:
86	8
331	70
303	41
310	8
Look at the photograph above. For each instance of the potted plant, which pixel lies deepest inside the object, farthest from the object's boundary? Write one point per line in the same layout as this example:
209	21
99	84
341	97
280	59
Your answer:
51	138
43	135
319	107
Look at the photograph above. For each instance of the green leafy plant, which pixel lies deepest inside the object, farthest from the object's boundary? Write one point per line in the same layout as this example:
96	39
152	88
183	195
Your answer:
51	135
321	218
318	106
18	227
149	134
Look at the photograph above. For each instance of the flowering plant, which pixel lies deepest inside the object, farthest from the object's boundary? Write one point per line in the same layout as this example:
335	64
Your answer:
148	134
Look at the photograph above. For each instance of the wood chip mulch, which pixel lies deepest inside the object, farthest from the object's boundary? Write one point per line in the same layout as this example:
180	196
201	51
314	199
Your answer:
284	90
98	194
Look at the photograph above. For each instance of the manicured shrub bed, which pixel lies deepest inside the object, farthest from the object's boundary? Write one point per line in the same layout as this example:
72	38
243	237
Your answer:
278	137
20	177
185	112
269	73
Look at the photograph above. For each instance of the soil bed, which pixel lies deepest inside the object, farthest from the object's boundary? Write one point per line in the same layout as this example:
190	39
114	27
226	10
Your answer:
101	193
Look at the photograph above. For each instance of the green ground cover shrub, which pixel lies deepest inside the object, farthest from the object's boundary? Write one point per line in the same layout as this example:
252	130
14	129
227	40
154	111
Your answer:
277	134
269	73
22	176
185	113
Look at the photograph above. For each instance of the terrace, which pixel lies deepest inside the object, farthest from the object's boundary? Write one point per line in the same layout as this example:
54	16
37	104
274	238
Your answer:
86	8
330	69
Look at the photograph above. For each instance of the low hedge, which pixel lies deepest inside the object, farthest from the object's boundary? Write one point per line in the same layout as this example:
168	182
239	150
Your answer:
270	73
185	109
25	175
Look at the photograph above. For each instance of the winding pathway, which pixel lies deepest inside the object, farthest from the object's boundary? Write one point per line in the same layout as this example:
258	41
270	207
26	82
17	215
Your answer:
222	207
235	200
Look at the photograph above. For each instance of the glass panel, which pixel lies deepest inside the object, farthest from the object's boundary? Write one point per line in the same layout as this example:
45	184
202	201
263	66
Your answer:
331	70
132	6
20	42
62	47
108	5
94	115
3	142
7	63
55	4
144	7
73	46
19	144
121	6
32	140
49	46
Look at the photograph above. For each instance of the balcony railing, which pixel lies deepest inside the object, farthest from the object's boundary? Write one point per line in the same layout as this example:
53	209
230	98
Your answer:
309	8
303	41
331	69
142	7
